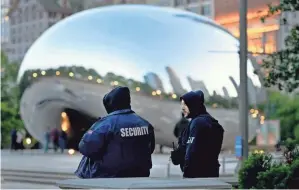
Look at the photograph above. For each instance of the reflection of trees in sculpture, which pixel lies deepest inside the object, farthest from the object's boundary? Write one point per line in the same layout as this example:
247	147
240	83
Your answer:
115	80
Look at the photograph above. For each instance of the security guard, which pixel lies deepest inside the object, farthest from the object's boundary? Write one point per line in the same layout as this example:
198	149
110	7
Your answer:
200	143
118	145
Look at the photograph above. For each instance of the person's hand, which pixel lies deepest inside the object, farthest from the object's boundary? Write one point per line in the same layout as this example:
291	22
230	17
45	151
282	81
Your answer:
175	157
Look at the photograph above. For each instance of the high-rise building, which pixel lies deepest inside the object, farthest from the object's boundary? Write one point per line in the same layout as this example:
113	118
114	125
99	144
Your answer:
154	81
4	21
263	38
175	81
5	26
199	85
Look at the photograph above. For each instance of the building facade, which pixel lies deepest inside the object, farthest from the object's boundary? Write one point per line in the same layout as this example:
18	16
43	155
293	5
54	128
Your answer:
5	26
263	37
28	19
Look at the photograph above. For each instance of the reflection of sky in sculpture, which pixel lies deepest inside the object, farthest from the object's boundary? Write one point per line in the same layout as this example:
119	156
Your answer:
132	40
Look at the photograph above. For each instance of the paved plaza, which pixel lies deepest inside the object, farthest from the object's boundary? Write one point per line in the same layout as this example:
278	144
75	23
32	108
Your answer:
65	163
15	185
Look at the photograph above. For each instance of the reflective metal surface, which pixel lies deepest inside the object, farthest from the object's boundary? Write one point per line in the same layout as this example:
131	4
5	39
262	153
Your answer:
171	50
134	40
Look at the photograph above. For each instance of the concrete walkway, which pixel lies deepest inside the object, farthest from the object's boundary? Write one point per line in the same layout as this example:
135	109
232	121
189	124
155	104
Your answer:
36	160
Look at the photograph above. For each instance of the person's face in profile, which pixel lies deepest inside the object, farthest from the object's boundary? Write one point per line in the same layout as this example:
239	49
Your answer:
185	109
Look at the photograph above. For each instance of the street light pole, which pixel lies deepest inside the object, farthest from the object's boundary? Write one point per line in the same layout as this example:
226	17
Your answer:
243	92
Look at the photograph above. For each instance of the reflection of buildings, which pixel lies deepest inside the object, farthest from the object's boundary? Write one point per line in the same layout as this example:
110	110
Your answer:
225	92
175	81
251	92
199	85
255	94
234	83
153	80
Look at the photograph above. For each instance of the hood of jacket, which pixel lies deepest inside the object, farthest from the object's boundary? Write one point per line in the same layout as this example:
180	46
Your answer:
117	99
195	102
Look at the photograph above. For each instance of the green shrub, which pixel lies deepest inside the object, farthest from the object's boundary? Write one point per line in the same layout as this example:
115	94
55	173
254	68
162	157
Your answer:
255	164
260	172
293	182
274	178
292	152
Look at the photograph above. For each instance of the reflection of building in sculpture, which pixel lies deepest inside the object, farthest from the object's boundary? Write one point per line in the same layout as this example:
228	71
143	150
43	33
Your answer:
255	94
153	80
225	92
251	92
199	85
234	83
175	81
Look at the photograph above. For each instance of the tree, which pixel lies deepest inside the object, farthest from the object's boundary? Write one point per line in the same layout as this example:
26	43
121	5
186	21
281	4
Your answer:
283	65
286	109
10	117
9	88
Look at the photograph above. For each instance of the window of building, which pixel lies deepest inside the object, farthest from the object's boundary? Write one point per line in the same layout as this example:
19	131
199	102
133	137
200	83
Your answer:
26	15
20	15
12	21
194	9
206	9
51	15
50	24
179	2
166	3
33	15
193	1
41	14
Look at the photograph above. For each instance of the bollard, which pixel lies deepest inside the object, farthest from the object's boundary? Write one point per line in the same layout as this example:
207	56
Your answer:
168	170
223	165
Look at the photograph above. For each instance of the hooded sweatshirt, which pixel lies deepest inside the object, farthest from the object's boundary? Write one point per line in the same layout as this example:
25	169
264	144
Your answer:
202	140
118	145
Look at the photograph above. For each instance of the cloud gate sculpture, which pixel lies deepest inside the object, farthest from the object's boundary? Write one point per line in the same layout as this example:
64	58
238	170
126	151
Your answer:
160	53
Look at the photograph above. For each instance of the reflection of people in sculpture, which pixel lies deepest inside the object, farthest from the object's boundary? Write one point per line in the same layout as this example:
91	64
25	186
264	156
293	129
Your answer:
13	139
200	144
47	137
